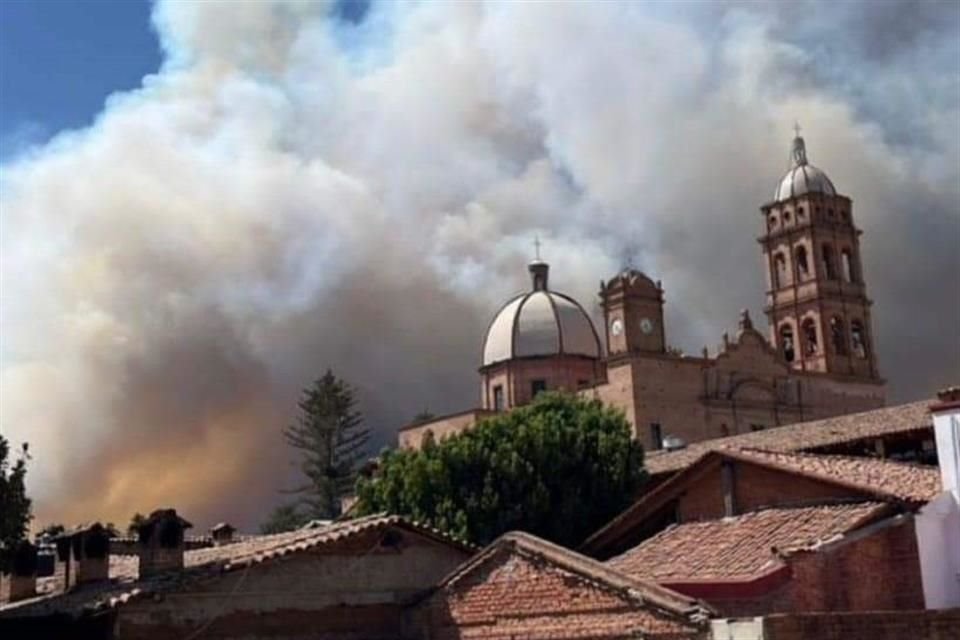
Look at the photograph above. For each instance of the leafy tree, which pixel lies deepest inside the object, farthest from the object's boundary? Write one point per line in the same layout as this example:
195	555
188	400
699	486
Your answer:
559	468
14	503
284	518
135	522
332	439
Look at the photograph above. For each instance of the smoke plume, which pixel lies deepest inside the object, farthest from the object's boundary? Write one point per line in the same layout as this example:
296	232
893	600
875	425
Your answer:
304	186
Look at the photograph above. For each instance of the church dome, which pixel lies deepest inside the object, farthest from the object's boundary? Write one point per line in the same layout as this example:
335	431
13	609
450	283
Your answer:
802	177
540	323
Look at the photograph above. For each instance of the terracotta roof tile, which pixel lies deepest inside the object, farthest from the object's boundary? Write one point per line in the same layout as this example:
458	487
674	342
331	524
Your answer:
804	436
906	481
124	569
631	587
740	547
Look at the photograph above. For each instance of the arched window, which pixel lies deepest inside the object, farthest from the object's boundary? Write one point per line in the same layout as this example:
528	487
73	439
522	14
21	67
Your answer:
786	217
803	268
786	343
829	262
779	270
838	335
799	213
858	338
810	343
846	261
772	220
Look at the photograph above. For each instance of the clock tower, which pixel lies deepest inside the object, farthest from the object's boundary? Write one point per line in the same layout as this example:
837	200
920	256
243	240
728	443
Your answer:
633	314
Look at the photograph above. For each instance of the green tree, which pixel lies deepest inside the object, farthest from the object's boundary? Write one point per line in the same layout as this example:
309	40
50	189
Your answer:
559	468
14	503
332	439
286	517
135	521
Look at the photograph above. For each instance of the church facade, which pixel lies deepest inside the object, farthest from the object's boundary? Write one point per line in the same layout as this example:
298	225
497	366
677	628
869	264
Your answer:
816	361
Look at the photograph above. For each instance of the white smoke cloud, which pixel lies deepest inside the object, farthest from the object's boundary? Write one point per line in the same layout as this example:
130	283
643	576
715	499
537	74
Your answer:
291	192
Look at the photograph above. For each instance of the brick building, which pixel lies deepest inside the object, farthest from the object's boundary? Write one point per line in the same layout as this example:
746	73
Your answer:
816	361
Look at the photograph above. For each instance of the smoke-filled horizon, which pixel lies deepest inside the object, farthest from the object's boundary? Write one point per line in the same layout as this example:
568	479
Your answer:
300	187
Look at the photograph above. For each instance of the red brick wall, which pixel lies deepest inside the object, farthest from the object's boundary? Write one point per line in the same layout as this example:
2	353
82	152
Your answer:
879	571
516	597
876	625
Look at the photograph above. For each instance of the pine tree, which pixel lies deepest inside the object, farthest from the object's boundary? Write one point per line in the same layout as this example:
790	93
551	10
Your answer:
332	439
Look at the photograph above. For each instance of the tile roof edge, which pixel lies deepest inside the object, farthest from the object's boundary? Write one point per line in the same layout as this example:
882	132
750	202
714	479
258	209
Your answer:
639	591
744	456
856	532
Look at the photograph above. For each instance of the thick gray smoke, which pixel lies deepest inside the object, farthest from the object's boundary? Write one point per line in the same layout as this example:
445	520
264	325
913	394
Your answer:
294	191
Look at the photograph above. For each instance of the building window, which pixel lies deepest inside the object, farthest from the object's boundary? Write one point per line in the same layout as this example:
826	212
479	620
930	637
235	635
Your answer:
803	268
829	262
724	430
656	435
858	338
799	213
498	398
838	335
779	271
583	384
786	217
846	260
537	387
786	343
757	427
772	220
810	342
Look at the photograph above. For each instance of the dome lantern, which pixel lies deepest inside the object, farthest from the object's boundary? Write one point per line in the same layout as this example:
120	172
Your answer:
802	177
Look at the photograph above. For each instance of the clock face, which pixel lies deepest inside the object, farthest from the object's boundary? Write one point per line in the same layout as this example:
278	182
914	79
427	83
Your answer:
646	325
616	327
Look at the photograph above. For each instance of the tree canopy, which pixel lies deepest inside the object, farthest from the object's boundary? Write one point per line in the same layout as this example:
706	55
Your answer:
559	468
332	440
14	503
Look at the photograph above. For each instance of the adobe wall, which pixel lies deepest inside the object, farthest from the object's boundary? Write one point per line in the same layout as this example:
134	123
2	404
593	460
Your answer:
513	597
355	590
412	438
754	487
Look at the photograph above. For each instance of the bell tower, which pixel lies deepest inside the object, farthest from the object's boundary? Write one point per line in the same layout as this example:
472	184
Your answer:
633	314
817	302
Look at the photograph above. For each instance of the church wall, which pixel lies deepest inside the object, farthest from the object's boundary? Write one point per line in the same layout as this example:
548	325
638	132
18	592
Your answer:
413	437
560	374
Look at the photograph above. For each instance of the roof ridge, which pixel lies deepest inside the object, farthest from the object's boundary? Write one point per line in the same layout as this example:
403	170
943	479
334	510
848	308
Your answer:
643	590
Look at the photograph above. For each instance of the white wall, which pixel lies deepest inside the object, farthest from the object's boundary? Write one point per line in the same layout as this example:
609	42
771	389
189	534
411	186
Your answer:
938	523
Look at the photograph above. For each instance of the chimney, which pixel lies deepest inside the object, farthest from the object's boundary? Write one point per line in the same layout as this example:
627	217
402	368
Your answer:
18	575
160	542
222	534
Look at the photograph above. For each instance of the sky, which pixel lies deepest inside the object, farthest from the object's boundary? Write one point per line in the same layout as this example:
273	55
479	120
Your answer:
203	205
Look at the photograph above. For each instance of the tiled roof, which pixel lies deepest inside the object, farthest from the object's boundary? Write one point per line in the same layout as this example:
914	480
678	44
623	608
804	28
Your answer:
902	480
865	478
741	547
631	587
804	436
125	582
